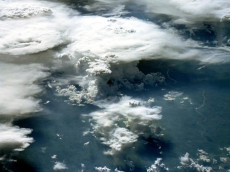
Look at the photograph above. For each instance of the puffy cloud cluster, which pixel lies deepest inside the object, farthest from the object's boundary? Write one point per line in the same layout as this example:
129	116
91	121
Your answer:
113	41
188	163
107	58
205	162
120	124
158	166
93	86
21	10
29	36
105	52
95	44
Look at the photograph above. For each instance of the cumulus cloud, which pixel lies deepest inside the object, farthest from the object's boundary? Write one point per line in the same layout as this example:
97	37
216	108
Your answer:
17	10
30	37
116	42
18	88
13	137
121	42
95	85
204	161
112	40
190	164
158	166
59	166
105	52
120	124
102	169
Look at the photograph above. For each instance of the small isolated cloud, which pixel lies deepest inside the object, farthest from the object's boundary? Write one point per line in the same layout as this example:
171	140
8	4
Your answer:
59	166
102	169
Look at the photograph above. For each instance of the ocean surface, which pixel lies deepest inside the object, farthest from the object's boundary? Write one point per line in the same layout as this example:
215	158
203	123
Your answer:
114	86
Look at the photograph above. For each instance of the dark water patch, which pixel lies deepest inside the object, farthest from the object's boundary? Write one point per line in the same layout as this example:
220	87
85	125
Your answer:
18	165
186	72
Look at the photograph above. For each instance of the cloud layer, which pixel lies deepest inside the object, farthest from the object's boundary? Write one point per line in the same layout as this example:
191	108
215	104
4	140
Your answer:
18	88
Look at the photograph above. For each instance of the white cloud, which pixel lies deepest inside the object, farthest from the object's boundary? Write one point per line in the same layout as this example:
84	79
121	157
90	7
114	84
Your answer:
13	137
39	27
181	11
118	125
98	47
124	40
59	166
22	10
18	88
186	11
158	166
102	169
188	163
